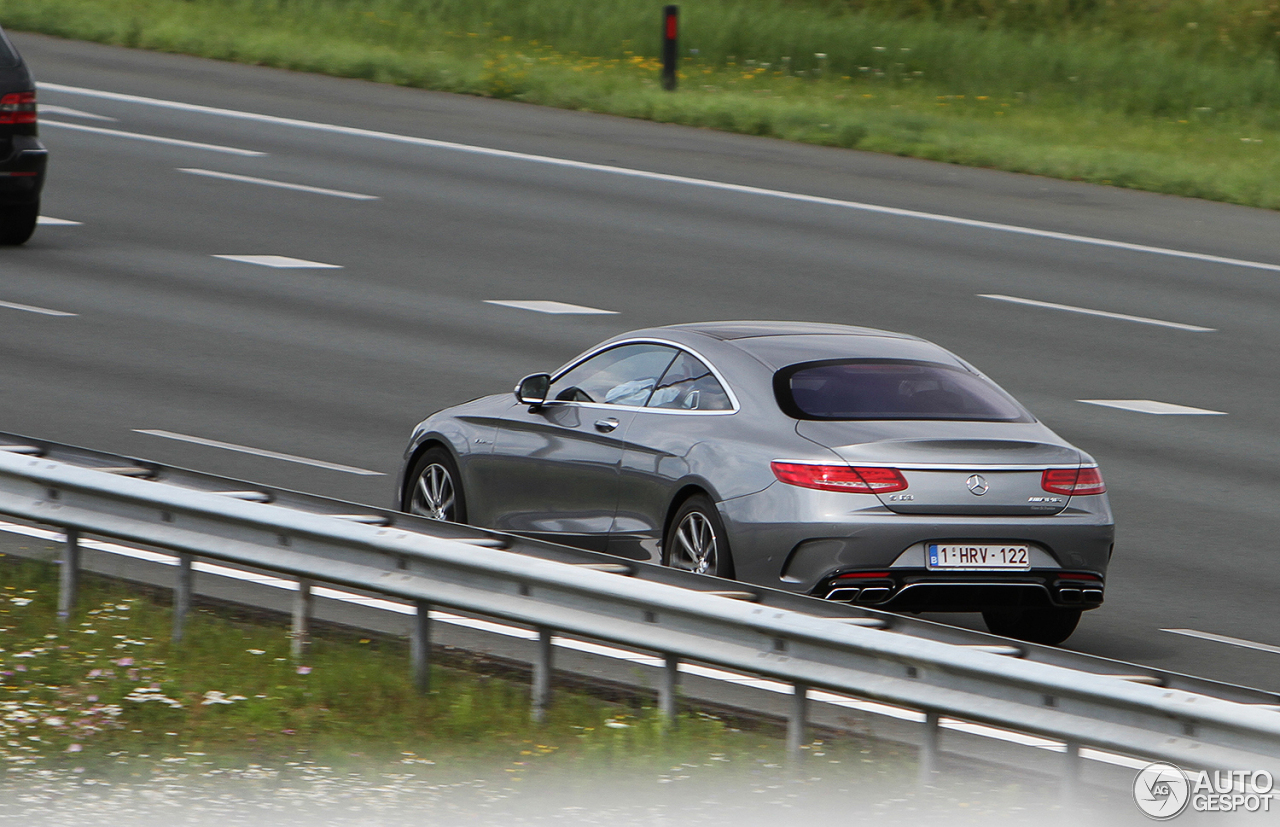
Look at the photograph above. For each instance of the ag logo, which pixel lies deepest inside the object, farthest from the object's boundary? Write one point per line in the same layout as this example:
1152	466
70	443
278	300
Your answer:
1161	791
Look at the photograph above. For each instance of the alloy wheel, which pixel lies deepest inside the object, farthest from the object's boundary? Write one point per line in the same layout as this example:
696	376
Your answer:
433	495
696	545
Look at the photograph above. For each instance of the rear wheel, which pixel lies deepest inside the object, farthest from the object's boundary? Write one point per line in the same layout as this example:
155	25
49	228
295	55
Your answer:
1048	625
435	488
696	539
17	223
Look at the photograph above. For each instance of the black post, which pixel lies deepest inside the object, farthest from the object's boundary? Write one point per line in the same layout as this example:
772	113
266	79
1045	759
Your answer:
670	54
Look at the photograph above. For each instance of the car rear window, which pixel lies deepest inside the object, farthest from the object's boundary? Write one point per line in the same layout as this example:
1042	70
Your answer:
851	389
8	55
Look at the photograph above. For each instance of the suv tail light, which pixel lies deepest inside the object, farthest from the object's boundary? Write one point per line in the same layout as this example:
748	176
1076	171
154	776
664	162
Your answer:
1073	482
19	107
840	477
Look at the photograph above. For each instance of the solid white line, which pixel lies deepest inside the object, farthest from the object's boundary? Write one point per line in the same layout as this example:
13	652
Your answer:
44	311
155	139
259	452
282	262
658	176
712	673
560	308
1230	641
49	221
1151	406
266	182
1104	313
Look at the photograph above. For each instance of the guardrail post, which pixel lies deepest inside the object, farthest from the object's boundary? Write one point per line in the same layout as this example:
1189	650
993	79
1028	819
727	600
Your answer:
541	677
796	721
667	689
420	647
69	576
300	636
1070	788
670	52
181	596
929	750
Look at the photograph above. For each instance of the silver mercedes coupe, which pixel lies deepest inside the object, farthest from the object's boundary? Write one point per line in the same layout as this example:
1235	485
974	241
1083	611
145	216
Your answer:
848	463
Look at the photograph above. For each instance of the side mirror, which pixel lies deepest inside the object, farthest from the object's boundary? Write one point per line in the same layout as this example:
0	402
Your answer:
533	390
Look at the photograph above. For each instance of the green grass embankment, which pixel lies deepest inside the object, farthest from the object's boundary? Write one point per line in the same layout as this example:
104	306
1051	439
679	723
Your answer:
1175	96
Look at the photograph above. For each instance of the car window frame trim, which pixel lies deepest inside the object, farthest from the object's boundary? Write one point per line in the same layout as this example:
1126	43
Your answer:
733	397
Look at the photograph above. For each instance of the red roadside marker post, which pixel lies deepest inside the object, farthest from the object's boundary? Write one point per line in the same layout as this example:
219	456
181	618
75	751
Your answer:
670	54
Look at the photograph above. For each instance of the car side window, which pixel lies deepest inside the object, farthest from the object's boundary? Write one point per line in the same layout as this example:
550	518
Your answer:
623	375
689	385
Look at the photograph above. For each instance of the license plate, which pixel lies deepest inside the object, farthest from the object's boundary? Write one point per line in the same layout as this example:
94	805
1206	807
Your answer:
978	557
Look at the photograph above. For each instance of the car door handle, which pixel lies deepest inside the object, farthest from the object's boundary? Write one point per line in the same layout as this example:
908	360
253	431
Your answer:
606	426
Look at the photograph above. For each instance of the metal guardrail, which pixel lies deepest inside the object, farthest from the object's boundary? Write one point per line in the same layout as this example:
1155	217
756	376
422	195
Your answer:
808	643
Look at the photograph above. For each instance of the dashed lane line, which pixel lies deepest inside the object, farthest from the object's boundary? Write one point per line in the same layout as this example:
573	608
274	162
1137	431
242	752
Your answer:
267	182
1106	314
30	308
282	262
66	111
1230	641
658	176
1151	406
49	221
558	308
155	139
259	452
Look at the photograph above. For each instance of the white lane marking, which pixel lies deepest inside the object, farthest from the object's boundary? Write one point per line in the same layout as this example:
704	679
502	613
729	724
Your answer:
604	650
267	182
155	139
1230	641
50	109
1103	313
658	176
553	307
259	452
29	308
49	221
283	262
1150	406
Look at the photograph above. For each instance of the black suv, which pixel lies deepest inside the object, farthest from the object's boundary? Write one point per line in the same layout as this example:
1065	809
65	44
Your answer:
22	156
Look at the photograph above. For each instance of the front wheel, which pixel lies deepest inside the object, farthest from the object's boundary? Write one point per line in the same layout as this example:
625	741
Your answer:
435	488
17	223
1049	626
696	540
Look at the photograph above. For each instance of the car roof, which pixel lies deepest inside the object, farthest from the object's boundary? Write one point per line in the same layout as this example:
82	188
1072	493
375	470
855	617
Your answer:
779	344
754	329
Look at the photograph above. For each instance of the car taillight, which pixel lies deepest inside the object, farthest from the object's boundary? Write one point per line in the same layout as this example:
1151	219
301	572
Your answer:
840	477
19	107
1073	482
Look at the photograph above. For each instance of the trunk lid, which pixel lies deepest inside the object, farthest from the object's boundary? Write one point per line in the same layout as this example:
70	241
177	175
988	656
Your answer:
976	473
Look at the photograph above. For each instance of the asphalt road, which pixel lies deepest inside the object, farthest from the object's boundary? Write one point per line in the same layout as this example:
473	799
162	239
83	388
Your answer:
335	365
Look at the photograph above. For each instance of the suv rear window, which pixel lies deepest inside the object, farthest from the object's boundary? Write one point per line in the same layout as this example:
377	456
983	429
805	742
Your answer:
852	389
8	55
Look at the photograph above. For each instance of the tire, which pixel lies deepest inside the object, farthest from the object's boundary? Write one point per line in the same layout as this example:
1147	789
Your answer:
696	540
434	488
17	223
1049	626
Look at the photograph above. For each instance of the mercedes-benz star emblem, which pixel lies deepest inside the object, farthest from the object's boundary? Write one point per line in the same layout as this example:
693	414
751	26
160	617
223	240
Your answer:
977	484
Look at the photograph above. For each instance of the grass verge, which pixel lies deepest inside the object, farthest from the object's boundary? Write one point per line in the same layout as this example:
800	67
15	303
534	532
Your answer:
1181	97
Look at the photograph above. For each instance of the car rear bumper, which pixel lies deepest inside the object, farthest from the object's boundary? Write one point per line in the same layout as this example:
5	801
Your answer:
921	590
802	540
22	172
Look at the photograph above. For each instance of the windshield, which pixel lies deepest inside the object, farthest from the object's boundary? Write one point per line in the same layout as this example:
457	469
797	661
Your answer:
891	389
